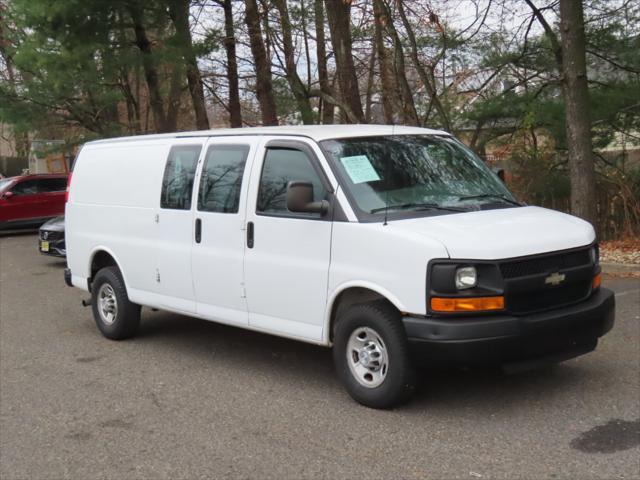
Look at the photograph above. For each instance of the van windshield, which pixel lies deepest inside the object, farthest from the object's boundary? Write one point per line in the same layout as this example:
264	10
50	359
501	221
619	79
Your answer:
415	172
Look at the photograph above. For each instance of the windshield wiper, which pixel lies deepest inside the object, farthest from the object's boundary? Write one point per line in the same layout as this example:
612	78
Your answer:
491	195
418	206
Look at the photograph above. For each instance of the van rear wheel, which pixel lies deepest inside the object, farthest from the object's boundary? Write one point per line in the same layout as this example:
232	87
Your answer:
371	355
116	317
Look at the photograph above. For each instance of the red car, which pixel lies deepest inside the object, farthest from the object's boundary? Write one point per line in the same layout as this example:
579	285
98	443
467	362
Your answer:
30	200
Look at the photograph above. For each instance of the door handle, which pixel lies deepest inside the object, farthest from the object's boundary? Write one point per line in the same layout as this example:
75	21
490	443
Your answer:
198	230
250	234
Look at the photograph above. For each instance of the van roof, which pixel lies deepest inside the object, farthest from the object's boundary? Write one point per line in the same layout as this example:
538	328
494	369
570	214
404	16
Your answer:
315	132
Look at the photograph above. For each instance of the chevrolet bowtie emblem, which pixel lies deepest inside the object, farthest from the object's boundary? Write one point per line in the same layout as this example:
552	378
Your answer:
555	279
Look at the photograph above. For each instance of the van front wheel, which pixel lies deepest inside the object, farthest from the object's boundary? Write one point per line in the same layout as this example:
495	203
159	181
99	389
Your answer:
371	355
116	317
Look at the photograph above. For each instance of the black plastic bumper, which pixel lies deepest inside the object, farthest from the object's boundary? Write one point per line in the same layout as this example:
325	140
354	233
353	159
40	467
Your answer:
522	341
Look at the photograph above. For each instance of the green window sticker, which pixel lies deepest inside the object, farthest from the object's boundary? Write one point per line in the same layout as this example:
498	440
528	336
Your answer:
359	169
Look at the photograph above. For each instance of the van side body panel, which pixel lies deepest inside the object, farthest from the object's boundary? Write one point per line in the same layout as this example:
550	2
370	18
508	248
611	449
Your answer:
113	197
381	258
286	271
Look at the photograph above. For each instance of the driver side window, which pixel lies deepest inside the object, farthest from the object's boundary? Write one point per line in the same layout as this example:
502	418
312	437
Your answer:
281	166
28	187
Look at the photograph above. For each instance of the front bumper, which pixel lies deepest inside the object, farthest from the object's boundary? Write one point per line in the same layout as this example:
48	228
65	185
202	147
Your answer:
55	248
513	341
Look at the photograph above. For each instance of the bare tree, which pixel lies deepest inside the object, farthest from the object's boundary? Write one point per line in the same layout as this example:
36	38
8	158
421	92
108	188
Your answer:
235	112
179	13
425	77
264	86
387	77
326	108
409	113
149	65
297	87
339	17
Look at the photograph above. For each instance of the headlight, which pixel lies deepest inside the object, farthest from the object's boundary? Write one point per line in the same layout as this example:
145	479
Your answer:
595	255
466	277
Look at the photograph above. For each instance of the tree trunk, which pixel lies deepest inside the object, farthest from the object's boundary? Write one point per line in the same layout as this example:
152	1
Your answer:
175	94
305	39
409	113
297	87
264	87
369	92
578	118
327	109
235	112
386	73
339	17
179	13
570	55
149	66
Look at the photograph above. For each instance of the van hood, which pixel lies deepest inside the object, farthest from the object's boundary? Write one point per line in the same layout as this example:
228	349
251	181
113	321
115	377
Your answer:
502	233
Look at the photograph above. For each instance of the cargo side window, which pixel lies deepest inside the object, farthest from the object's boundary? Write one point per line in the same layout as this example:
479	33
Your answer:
281	166
221	179
177	183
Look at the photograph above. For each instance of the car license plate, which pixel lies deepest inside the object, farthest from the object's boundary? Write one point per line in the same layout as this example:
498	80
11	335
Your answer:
44	246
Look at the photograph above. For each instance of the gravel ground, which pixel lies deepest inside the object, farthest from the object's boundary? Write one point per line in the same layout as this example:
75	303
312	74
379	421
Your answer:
190	399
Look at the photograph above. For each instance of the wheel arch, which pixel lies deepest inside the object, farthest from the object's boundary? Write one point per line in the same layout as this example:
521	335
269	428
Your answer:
102	257
352	293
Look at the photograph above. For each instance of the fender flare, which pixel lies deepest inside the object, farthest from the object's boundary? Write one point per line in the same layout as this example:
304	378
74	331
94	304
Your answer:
383	292
101	248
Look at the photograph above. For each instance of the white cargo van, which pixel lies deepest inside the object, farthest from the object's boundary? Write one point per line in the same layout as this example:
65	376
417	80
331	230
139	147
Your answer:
395	246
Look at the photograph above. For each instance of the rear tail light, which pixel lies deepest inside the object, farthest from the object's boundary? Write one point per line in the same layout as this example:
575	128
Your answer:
469	304
66	193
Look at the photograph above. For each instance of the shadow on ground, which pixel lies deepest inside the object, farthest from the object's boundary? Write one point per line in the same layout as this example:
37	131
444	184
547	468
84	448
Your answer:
485	390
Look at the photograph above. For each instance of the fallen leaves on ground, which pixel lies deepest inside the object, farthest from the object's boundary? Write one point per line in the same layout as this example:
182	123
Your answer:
625	252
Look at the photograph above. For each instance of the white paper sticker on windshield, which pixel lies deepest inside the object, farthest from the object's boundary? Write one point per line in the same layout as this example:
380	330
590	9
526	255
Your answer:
359	169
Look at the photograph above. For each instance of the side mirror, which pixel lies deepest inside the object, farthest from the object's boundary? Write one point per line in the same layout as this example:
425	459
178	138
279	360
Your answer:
300	198
8	195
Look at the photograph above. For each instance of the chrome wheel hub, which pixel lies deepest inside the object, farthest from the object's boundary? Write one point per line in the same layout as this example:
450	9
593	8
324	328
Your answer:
107	304
367	357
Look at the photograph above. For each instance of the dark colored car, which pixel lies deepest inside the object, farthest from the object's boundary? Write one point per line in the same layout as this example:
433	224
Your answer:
51	238
30	200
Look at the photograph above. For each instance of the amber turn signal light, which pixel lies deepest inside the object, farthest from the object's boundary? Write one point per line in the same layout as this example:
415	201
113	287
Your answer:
469	304
597	280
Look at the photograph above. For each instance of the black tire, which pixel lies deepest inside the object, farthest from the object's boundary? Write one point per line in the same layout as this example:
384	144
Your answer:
383	320
126	318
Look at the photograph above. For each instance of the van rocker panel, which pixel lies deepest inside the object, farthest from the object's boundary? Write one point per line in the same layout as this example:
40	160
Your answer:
503	339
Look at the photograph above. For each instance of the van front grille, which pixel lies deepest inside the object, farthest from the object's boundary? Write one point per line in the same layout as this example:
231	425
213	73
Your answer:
528	287
546	264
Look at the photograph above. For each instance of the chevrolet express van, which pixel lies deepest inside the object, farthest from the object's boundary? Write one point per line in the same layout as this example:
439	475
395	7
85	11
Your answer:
395	246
